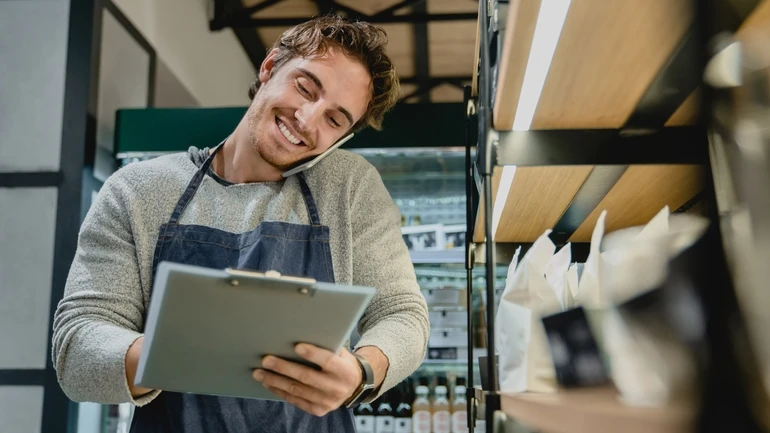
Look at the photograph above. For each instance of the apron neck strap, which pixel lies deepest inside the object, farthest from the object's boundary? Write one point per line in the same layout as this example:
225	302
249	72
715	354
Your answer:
192	187
197	179
312	210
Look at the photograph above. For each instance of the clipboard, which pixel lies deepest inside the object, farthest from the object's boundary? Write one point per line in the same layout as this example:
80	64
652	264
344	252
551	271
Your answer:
208	329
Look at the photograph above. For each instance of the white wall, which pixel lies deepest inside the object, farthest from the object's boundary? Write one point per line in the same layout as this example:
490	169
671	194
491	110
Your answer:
212	65
33	52
33	58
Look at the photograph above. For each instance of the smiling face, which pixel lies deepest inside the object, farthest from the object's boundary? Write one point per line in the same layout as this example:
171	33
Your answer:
303	107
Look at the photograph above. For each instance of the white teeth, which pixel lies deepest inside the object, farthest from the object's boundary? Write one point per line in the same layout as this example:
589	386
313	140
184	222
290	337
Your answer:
288	134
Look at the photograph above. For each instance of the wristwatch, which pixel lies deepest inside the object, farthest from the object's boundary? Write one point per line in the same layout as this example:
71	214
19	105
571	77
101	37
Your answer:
366	387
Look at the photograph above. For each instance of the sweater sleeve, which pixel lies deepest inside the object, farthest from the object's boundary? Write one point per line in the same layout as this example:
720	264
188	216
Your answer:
101	313
396	321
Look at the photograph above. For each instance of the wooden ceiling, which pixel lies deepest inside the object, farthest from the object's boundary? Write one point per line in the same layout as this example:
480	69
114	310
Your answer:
449	44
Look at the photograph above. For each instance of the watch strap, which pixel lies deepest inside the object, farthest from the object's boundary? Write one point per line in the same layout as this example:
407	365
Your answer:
366	388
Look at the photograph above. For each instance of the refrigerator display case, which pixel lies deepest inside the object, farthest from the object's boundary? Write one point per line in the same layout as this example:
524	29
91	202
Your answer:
428	186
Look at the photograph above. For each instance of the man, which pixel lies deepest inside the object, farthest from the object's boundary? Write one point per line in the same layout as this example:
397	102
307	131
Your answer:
231	207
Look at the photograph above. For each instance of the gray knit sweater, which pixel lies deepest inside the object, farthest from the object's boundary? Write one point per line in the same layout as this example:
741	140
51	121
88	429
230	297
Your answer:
107	291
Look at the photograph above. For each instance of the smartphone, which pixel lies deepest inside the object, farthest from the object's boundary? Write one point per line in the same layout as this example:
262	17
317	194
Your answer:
314	161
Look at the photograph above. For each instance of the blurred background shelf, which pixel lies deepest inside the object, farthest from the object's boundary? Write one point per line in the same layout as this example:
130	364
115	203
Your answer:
594	411
444	256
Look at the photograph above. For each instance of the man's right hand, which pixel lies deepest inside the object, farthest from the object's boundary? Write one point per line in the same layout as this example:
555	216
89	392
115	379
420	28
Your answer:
132	361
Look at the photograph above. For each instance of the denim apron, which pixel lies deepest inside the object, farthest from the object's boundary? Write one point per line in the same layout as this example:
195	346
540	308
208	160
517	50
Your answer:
291	249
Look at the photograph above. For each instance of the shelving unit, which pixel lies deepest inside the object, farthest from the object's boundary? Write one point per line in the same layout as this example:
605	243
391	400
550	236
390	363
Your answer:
622	124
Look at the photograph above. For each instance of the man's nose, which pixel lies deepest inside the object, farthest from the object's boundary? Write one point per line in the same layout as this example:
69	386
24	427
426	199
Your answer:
308	116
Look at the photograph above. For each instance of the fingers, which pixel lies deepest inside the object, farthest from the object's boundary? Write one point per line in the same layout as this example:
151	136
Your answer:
301	403
317	392
320	357
317	380
309	399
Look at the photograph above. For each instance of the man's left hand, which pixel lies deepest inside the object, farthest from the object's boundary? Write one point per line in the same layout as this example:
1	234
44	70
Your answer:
315	392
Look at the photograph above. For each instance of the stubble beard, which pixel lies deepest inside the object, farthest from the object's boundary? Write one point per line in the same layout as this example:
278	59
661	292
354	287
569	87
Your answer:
269	152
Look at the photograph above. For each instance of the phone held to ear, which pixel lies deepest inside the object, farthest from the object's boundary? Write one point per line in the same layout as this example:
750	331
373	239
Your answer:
314	161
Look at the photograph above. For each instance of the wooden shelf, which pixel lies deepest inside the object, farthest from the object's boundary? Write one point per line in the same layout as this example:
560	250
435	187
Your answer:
758	23
594	411
539	196
641	193
607	56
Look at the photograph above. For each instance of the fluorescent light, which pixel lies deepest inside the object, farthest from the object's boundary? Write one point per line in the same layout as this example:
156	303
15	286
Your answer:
550	20
506	180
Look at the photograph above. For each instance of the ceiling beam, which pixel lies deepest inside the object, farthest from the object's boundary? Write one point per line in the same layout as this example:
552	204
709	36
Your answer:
451	79
249	38
259	6
326	7
421	52
351	13
389	11
419	92
249	22
426	84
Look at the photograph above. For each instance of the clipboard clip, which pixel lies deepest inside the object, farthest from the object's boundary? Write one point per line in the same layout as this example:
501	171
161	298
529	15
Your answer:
305	283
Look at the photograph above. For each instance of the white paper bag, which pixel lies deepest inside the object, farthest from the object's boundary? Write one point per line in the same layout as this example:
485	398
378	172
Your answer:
590	293
639	264
524	359
571	280
647	369
556	275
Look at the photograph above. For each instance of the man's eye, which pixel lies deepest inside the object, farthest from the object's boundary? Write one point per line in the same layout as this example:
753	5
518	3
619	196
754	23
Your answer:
303	90
334	122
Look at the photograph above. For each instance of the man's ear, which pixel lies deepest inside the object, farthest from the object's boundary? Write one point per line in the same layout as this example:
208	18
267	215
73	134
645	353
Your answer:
266	69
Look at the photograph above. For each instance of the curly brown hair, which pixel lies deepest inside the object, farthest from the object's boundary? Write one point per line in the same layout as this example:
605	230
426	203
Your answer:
360	41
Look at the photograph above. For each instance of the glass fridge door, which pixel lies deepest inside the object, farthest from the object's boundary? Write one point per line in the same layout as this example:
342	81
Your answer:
428	186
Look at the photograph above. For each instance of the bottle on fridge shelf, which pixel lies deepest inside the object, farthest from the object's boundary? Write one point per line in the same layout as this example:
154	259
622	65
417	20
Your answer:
460	408
403	411
383	418
442	417
425	381
364	415
441	379
421	413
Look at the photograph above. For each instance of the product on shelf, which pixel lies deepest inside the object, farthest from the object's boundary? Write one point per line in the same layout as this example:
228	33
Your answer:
532	290
403	411
421	411
442	416
459	408
364	415
448	319
384	421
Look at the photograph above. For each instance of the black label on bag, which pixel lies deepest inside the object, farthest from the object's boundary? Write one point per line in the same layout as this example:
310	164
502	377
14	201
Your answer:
576	356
